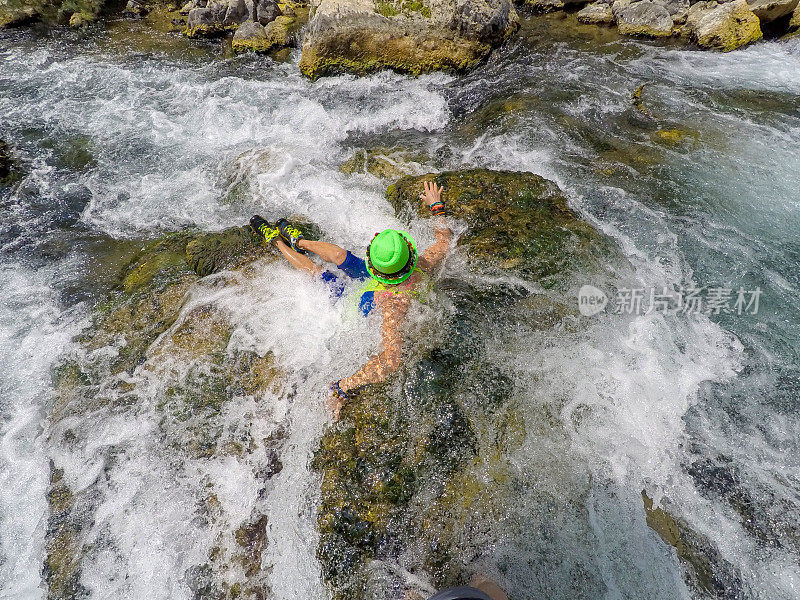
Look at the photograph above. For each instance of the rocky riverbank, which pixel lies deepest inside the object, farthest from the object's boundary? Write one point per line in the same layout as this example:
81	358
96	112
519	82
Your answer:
417	36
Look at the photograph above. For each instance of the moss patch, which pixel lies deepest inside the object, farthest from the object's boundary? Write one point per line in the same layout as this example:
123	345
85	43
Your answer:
385	163
360	51
517	221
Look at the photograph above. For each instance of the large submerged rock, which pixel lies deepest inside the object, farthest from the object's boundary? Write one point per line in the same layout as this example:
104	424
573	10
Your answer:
411	36
148	348
516	221
415	464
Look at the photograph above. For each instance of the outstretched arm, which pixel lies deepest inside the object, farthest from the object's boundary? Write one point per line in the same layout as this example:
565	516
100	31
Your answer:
434	255
380	366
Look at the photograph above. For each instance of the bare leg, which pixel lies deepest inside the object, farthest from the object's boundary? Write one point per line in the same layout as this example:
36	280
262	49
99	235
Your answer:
485	584
328	252
298	260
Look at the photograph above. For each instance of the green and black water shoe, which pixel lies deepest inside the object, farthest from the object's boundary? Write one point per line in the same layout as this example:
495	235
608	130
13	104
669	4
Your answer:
290	234
263	229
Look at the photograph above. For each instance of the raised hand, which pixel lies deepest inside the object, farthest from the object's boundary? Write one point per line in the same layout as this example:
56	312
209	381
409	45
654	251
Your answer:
432	193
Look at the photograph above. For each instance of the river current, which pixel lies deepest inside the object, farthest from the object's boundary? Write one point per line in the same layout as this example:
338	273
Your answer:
698	409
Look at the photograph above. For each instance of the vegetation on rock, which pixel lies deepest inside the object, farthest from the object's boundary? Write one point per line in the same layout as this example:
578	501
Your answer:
148	342
414	463
516	221
385	163
409	37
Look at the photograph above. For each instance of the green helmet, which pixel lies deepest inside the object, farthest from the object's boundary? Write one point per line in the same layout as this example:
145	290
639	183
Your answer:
391	256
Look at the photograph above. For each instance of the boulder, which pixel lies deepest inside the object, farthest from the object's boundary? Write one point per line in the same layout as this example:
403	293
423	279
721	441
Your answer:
794	23
16	14
772	10
724	26
280	32
205	22
596	13
362	36
518	222
250	37
266	11
646	19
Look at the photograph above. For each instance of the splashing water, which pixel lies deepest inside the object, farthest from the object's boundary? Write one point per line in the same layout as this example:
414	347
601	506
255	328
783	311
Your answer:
697	410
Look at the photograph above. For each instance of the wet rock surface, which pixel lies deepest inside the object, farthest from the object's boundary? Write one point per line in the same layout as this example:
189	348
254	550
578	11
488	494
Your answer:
148	333
361	36
516	221
386	163
415	463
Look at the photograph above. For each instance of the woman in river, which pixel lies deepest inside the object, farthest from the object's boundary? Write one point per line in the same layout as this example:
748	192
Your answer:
394	272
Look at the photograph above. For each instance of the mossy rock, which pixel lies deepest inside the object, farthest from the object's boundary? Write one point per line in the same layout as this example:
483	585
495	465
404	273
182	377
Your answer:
213	252
516	221
360	52
14	13
64	549
151	289
399	458
705	568
385	163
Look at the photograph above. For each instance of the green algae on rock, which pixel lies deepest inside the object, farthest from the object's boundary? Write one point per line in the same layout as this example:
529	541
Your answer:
385	163
705	568
516	221
409	37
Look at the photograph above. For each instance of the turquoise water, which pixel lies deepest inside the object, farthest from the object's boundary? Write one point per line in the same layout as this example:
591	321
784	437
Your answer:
699	410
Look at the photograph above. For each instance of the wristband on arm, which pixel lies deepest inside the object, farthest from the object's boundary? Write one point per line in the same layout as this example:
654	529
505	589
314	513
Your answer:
437	208
338	392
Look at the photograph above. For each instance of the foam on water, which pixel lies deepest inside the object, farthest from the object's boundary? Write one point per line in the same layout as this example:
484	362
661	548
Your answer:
34	331
181	145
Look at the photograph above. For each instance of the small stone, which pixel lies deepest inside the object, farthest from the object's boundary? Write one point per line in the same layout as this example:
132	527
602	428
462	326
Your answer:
646	19
596	13
80	19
